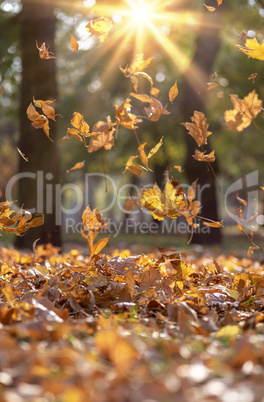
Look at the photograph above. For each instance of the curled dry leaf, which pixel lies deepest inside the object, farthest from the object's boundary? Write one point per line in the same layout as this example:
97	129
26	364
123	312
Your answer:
198	129
179	168
41	121
100	27
211	85
213	224
155	110
44	52
173	92
209	8
21	154
78	165
202	157
124	117
135	169
74	44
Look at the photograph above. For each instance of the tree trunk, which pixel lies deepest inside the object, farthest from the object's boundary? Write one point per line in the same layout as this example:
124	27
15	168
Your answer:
194	98
39	176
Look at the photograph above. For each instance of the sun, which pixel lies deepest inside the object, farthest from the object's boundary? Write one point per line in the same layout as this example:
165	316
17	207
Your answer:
141	12
145	25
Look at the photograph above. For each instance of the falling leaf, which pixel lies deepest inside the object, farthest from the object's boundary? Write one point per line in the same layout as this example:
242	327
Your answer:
214	75
201	157
74	44
135	169
213	224
155	149
102	136
209	8
129	206
253	77
243	35
78	165
245	110
179	168
143	157
155	110
124	116
220	94
21	154
137	65
211	85
1	91
154	91
142	97
100	27
253	49
198	129
44	52
219	2
173	92
92	220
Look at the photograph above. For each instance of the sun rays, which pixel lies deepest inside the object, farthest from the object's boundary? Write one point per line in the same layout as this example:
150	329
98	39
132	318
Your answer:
146	27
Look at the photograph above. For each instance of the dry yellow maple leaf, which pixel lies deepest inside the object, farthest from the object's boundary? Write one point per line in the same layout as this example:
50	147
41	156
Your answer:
93	224
100	27
245	110
198	129
160	204
253	49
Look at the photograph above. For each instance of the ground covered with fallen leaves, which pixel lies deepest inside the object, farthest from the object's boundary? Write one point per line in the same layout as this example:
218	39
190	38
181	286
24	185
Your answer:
157	327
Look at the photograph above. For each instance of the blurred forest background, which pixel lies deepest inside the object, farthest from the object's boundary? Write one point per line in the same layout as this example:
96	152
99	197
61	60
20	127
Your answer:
91	83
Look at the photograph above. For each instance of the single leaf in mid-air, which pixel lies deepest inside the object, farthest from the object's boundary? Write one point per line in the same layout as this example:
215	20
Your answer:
74	44
155	110
173	92
253	49
209	8
198	129
202	157
100	27
135	169
211	85
78	165
213	224
44	52
245	110
21	154
155	149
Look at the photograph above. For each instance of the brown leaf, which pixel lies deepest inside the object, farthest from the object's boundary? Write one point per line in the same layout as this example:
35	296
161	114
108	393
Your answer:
135	169
143	157
213	224
155	149
198	129
209	8
179	168
155	110
173	92
142	97
44	52
78	165
211	85
201	157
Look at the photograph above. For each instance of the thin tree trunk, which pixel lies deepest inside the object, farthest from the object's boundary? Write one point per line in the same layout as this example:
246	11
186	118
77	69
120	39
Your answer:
37	23
194	98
